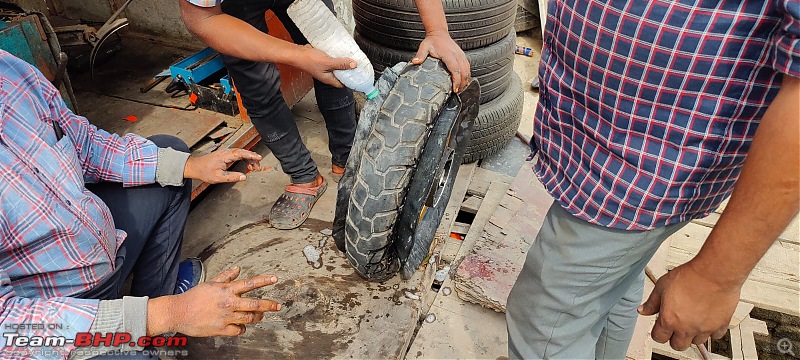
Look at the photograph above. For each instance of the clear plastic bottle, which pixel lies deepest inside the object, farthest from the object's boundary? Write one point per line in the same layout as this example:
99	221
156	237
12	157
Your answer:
324	32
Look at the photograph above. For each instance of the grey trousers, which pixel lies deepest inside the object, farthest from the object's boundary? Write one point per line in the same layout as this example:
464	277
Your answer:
578	291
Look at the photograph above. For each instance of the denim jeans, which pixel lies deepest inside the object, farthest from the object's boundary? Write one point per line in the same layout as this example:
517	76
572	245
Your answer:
154	218
259	85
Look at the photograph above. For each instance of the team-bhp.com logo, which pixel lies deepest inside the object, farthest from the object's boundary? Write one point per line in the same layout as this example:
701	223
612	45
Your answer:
93	340
21	344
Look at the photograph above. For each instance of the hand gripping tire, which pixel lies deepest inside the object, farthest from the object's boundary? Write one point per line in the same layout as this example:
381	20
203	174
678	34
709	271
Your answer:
491	65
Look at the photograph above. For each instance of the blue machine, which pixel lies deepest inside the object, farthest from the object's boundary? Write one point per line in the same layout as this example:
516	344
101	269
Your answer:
195	74
199	67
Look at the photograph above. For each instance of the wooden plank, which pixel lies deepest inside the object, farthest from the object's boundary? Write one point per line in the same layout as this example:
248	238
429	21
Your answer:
742	312
223	131
501	216
459	330
109	114
463	180
737	351
472	204
792	232
722	206
749	327
460	228
743	343
492	200
511	202
478	188
488	272
774	282
482	179
770	297
689	354
709	220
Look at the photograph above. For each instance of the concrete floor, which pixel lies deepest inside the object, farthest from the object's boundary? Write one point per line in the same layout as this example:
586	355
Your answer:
328	311
226	208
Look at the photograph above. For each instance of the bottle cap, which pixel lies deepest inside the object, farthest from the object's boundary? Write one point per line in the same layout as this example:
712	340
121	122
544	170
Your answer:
373	94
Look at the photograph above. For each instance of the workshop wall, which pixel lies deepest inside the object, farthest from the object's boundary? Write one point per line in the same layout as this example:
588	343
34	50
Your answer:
149	17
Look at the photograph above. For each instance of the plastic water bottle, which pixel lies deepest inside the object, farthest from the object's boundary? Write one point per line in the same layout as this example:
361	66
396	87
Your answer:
321	28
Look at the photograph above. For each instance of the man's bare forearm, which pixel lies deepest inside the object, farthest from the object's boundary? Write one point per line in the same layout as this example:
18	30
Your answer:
765	198
237	38
432	14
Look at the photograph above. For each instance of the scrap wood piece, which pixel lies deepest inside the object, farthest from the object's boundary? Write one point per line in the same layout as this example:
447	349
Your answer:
742	312
490	203
459	228
472	204
450	248
223	131
692	353
743	343
491	267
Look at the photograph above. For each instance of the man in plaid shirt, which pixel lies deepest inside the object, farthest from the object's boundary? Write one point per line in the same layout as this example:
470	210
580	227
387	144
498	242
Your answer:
648	110
82	209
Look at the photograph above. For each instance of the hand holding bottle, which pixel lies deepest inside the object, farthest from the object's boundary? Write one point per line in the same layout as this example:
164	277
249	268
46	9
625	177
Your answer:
327	34
321	66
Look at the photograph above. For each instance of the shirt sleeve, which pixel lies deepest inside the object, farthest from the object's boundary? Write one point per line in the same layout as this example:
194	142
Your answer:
785	52
205	3
128	315
129	159
171	164
50	318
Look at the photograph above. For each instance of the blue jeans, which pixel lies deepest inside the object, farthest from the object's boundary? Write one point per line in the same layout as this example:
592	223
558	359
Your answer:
154	218
578	291
259	85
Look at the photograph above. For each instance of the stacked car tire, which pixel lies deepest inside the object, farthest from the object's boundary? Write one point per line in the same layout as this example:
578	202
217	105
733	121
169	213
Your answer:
390	31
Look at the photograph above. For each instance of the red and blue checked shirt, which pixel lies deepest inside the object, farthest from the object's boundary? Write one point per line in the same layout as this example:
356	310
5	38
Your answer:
647	108
58	239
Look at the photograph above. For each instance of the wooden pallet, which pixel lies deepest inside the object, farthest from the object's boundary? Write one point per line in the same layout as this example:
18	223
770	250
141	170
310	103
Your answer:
742	327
